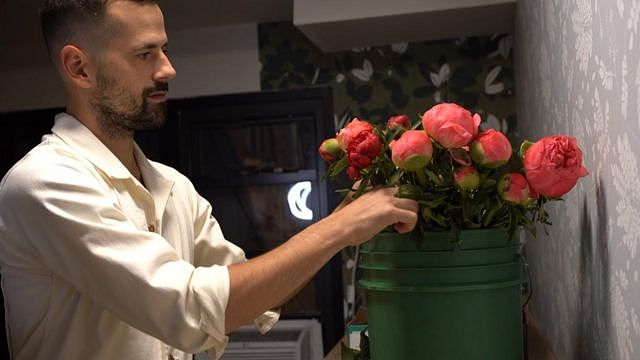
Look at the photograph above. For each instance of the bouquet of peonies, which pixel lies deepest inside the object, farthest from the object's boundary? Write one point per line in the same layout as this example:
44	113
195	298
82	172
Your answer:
462	178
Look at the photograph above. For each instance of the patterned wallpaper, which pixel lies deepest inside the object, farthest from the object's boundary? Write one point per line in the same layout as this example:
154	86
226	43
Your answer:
578	72
406	78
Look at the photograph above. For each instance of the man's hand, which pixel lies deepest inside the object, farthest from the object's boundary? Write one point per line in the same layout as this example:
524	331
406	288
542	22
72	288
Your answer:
373	211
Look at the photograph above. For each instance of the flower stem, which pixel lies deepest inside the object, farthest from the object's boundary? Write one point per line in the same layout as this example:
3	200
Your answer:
422	178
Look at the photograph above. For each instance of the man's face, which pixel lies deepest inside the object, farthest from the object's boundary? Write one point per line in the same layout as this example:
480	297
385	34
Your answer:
132	71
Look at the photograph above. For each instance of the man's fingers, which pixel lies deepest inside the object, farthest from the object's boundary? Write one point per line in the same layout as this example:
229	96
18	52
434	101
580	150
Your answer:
407	221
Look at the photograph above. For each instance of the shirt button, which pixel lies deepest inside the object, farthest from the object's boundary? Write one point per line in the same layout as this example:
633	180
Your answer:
152	228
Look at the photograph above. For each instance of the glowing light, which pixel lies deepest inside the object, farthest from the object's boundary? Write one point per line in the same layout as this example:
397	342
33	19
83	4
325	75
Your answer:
297	198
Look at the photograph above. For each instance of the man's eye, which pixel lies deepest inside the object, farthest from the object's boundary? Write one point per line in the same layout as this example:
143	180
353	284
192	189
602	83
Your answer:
144	55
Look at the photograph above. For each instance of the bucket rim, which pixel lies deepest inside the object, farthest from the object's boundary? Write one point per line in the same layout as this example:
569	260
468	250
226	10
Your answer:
442	252
519	262
372	285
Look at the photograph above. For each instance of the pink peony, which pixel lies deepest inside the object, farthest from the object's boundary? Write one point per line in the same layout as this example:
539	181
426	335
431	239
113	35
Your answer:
412	151
352	130
397	121
330	150
553	165
363	149
467	178
451	125
491	149
513	188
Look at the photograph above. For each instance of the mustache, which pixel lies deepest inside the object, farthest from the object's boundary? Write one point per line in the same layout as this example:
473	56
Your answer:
159	86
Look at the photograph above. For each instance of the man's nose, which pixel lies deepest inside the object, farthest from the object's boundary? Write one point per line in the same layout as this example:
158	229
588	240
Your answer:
166	71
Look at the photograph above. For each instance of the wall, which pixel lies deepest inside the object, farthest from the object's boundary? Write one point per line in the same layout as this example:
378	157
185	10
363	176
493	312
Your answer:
405	78
578	73
209	61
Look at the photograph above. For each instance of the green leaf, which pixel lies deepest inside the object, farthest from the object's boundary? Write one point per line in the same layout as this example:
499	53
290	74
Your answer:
395	178
338	167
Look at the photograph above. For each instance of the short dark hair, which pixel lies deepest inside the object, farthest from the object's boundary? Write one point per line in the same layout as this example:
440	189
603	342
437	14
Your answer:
80	22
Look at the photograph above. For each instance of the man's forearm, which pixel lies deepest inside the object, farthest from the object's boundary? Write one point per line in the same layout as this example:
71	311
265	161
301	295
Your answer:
266	281
269	280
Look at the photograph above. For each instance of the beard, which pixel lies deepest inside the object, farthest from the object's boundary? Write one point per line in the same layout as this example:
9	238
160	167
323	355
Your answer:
120	112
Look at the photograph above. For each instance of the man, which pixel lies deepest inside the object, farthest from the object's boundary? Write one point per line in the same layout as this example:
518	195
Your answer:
107	255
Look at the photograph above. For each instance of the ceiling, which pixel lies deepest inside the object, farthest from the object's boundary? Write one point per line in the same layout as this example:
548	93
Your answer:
21	41
330	24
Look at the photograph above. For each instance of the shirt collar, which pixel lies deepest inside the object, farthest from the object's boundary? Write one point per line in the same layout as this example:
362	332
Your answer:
79	137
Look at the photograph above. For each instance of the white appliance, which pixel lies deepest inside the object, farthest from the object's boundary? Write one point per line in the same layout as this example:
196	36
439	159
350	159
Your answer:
287	340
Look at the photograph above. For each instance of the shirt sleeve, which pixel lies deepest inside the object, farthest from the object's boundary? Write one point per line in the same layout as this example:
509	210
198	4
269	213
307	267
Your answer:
70	223
211	248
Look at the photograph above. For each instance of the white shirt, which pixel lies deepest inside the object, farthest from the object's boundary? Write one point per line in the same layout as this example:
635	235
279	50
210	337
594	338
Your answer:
96	266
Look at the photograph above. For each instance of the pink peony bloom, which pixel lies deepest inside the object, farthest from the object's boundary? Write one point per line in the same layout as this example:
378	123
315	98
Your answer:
553	165
330	150
491	149
352	130
363	149
467	178
412	151
398	121
513	188
450	125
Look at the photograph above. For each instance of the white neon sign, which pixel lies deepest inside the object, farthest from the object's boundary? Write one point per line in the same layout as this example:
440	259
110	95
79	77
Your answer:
297	199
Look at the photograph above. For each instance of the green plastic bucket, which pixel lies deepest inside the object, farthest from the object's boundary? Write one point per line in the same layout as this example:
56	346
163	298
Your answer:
462	322
388	276
413	259
439	241
433	299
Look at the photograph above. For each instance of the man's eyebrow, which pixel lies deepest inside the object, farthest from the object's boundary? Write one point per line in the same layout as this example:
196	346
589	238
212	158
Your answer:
149	46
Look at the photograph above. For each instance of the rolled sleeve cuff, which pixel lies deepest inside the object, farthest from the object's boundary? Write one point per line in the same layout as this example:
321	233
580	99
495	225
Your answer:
211	288
266	321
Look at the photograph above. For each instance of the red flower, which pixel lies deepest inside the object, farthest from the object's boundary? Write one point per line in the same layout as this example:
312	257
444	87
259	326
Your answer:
553	165
353	173
398	121
363	149
491	149
412	151
513	188
330	150
346	135
466	177
451	125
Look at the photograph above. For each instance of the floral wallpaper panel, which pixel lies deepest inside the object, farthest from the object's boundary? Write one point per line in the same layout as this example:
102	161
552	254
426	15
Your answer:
405	78
578	72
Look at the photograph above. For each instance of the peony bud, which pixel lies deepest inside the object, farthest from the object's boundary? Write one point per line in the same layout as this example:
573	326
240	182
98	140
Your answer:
346	135
467	178
398	121
553	165
412	151
491	149
450	125
330	150
513	188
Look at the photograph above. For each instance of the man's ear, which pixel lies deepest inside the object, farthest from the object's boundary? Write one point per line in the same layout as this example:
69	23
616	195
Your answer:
75	66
